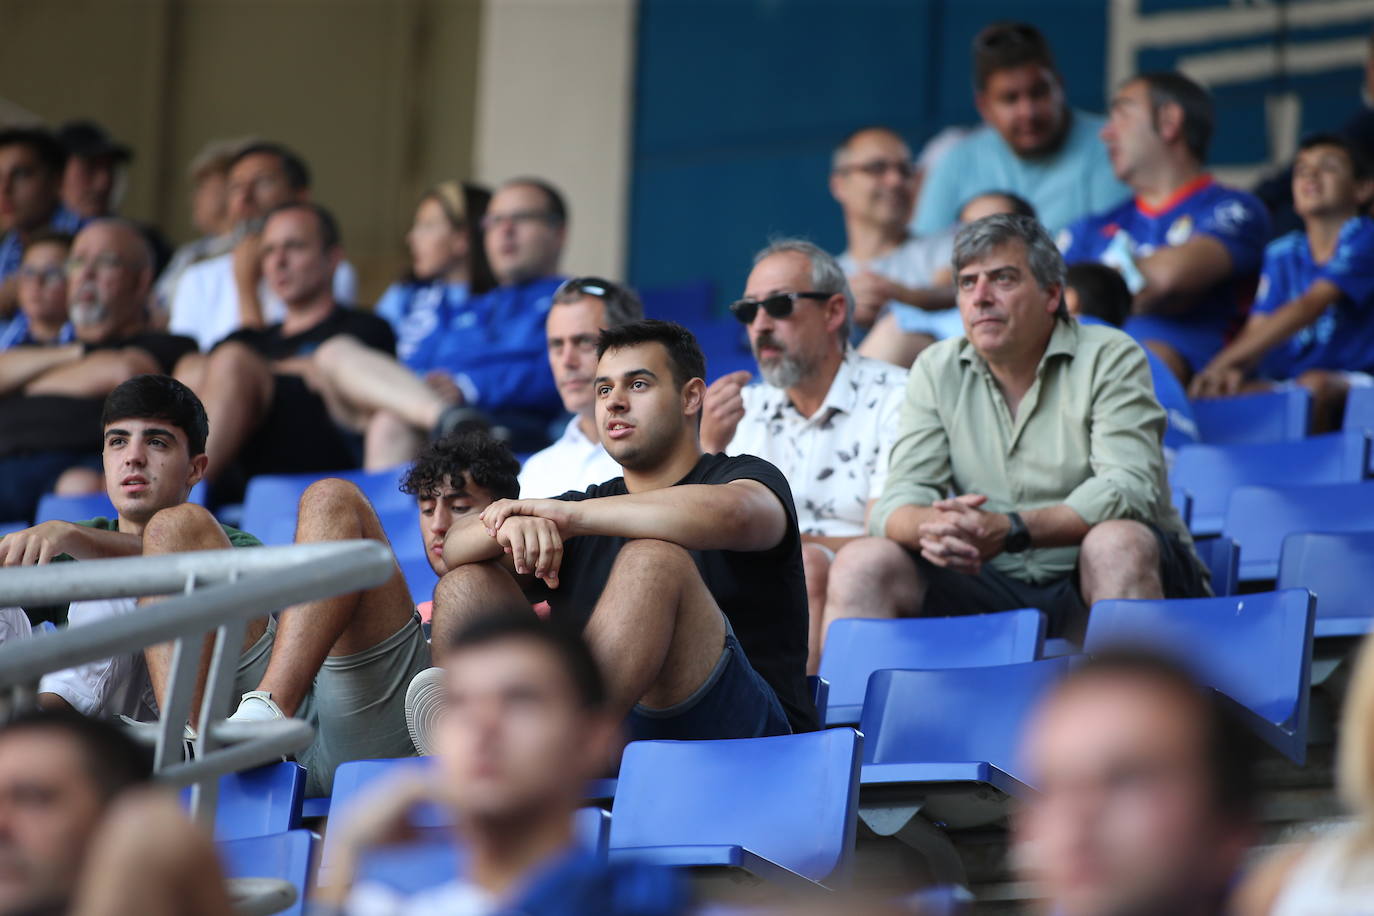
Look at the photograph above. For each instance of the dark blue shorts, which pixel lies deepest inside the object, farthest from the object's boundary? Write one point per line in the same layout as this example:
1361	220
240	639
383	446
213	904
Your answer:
735	702
24	479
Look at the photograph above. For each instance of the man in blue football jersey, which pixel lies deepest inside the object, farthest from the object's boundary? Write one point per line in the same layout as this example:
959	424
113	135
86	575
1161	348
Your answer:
1313	321
1188	247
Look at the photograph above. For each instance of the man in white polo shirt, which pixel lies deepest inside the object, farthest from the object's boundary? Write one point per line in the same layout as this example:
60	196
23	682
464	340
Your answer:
827	416
582	308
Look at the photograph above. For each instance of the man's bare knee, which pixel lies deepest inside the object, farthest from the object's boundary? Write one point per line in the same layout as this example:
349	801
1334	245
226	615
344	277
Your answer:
816	564
334	354
182	527
479	588
1119	544
664	558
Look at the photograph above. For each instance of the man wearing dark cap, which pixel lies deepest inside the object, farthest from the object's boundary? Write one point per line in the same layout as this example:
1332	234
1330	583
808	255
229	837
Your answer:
31	164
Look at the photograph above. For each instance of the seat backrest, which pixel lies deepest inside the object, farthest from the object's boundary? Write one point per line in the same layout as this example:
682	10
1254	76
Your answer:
792	799
403	531
1221	556
11	527
271	501
354	779
1359	410
955	715
1259	518
261	801
73	508
855	648
1339	569
1271	416
1208	473
1255	649
281	855
419	576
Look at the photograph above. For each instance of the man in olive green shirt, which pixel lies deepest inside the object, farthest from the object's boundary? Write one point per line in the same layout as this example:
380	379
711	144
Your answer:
1028	470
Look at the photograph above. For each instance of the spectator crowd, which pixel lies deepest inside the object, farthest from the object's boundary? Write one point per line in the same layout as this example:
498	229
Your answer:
972	408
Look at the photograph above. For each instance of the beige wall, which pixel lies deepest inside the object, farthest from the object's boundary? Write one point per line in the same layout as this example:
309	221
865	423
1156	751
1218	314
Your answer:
376	94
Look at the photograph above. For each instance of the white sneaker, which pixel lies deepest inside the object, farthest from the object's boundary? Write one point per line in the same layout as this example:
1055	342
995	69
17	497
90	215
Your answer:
425	702
257	706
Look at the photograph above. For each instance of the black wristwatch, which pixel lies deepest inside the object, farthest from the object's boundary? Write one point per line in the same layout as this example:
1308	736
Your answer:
1018	538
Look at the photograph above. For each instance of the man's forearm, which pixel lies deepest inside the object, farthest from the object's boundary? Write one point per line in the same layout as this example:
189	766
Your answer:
698	517
95	543
21	365
904	524
94	376
1263	333
1055	526
468	542
931	299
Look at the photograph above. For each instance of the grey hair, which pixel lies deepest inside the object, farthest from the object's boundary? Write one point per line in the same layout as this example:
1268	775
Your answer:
826	274
622	306
979	237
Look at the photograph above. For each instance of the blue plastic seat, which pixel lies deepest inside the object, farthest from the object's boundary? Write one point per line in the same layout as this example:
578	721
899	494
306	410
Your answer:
855	648
259	802
11	527
1271	416
1259	518
780	808
1359	410
403	530
1339	569
1221	556
1208	473
1183	502
73	508
419	576
271	501
281	855
1255	649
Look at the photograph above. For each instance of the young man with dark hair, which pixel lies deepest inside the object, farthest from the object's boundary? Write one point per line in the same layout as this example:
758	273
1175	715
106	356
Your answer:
1031	141
1313	320
527	724
455	477
685	574
1188	247
1145	794
1095	293
221	294
31	164
272	409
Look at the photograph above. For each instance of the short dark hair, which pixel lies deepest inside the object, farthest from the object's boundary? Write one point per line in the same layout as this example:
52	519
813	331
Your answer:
1228	747
486	461
329	226
159	397
297	172
49	237
1359	162
113	759
1102	293
558	207
1169	87
560	639
42	142
684	353
1005	45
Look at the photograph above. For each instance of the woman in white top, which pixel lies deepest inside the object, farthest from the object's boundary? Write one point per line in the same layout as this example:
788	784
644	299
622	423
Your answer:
1333	876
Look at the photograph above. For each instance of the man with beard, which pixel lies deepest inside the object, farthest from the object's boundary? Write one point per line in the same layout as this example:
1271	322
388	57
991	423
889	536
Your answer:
51	396
827	416
684	575
1031	142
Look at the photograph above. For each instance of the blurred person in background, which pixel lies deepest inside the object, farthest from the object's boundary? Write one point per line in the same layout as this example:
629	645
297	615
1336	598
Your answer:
1333	874
1144	801
31	166
42	318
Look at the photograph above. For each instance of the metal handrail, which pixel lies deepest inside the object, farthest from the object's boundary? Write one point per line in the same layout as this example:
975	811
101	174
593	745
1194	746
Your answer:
216	596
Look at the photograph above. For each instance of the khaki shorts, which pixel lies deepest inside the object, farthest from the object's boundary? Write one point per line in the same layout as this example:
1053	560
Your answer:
356	705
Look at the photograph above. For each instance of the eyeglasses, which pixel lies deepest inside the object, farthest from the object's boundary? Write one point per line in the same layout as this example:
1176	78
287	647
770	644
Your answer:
594	286
778	305
44	275
101	263
880	167
519	217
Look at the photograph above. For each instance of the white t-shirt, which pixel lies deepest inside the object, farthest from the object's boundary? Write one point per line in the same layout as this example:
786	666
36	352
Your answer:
206	302
14	624
914	264
454	898
574	462
110	687
1335	877
836	459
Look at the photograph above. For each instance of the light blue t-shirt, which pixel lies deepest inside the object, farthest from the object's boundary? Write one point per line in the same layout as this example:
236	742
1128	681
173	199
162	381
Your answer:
1071	183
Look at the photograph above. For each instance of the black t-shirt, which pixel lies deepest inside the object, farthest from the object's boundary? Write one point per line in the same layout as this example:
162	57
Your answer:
763	593
49	422
270	343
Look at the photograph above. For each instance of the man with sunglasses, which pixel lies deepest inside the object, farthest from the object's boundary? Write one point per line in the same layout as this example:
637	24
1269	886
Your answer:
51	396
1031	142
827	417
891	272
582	308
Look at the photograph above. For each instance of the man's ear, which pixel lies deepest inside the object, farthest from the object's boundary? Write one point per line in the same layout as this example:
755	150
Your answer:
197	473
1169	121
693	396
1056	294
836	310
980	102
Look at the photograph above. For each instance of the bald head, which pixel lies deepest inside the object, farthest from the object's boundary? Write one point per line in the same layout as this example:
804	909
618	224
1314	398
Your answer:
109	274
874	181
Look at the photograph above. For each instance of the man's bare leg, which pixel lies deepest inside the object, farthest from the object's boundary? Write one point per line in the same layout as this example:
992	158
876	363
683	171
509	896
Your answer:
816	565
236	390
467	593
389	441
333	510
182	529
1329	391
657	631
872	577
370	380
1119	559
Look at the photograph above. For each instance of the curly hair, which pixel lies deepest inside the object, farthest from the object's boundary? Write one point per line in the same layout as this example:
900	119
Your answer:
488	463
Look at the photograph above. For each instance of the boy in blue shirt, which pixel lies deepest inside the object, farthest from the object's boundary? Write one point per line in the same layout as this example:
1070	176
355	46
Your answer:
1313	321
1188	248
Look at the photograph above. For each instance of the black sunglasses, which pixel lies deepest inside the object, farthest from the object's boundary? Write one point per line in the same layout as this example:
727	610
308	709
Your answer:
587	285
778	305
